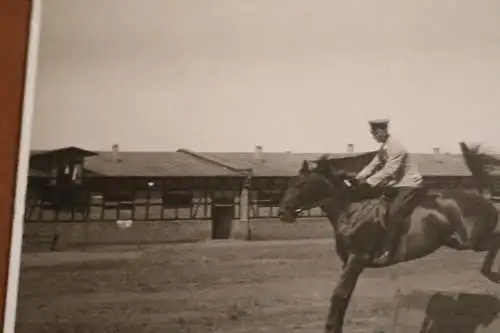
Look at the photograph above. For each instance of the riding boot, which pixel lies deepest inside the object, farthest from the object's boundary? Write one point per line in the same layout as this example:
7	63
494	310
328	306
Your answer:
398	209
389	249
390	241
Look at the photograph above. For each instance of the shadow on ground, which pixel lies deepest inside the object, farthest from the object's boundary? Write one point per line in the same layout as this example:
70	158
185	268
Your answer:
450	313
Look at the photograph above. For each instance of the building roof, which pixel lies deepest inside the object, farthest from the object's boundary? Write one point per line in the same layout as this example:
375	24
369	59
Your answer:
155	164
185	163
62	151
288	164
441	165
272	164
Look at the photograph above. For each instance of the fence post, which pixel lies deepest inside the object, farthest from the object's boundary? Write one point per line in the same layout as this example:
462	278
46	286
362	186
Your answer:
241	229
244	200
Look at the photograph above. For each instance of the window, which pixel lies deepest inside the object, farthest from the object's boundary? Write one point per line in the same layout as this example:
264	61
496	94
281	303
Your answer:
268	196
177	199
224	197
53	179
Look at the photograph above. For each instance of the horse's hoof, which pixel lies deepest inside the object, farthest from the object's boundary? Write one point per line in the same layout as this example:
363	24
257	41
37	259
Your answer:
495	278
492	276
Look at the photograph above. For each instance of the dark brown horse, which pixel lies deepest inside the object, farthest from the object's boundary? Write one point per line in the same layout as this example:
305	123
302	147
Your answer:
449	218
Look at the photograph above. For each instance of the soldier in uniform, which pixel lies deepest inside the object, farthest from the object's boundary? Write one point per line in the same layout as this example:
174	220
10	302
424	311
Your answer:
394	169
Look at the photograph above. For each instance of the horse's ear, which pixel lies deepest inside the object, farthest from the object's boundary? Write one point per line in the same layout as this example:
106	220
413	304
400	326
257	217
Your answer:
305	167
324	158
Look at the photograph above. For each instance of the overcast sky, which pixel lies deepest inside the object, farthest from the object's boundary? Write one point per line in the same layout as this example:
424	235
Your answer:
224	75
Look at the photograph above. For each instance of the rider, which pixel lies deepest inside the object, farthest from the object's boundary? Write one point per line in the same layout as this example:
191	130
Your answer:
393	168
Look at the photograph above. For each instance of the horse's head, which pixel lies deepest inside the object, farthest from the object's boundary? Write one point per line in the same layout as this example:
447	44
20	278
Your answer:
312	187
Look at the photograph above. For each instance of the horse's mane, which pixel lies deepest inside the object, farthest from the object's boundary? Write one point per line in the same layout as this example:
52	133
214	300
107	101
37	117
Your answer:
343	166
349	162
357	210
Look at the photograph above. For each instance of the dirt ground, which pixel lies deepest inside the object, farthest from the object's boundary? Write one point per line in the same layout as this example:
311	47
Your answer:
223	286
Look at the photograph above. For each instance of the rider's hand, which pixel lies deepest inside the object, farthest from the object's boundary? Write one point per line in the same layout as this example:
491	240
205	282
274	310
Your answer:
363	184
354	182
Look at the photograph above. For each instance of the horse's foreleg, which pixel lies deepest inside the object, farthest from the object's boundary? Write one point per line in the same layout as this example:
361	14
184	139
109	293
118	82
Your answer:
341	252
343	292
488	262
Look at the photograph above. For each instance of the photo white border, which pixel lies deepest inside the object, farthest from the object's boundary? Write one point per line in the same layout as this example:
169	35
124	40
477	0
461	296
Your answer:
12	286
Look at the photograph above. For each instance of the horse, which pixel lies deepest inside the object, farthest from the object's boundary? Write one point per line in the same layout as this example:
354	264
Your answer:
454	218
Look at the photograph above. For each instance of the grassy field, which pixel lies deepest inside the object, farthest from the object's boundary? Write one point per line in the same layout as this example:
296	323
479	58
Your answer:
224	286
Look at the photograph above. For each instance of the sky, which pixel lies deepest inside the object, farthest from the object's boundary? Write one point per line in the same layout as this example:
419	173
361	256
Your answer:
305	76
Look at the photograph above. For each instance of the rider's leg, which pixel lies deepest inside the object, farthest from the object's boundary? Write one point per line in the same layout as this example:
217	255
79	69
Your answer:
398	209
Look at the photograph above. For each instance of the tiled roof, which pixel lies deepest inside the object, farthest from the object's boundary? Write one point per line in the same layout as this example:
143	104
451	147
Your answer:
154	164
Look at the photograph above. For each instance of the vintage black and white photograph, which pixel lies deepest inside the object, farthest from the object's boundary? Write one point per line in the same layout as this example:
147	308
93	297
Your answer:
237	166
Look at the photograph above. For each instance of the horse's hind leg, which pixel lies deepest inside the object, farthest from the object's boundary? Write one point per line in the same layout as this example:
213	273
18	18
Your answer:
488	262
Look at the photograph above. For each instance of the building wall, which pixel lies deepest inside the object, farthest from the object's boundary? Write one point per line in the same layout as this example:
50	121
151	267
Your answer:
439	182
38	236
149	206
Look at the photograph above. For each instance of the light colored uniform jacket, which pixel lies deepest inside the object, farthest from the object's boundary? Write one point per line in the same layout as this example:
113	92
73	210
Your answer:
392	167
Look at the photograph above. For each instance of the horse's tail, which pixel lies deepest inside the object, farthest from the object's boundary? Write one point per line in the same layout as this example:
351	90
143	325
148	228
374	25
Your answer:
478	163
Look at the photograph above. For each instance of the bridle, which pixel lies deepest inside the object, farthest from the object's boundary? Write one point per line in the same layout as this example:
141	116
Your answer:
331	195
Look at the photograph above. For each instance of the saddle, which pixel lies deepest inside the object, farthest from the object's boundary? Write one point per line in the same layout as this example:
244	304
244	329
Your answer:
382	199
406	208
